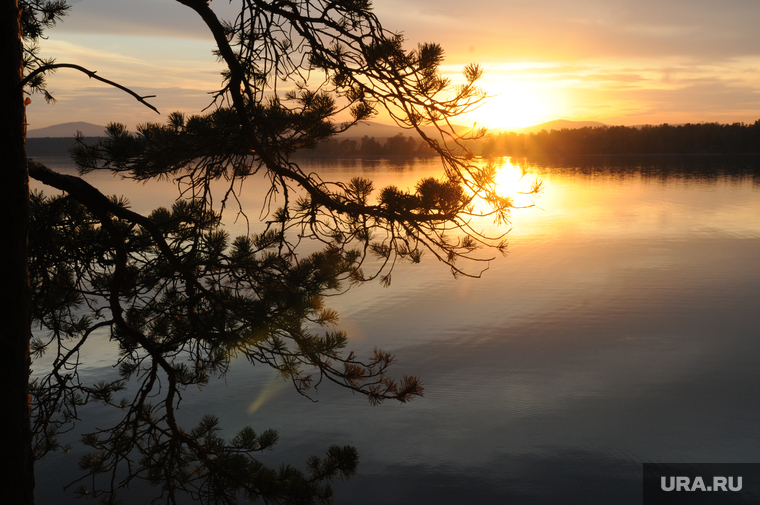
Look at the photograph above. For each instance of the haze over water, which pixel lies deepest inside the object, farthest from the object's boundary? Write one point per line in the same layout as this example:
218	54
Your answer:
621	328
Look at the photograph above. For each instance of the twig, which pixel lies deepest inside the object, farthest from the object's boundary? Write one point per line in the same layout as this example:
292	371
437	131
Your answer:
92	75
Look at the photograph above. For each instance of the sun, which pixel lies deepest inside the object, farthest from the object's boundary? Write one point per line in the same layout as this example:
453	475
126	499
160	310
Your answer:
515	104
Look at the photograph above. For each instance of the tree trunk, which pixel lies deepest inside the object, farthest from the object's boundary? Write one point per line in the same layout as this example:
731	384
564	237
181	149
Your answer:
17	481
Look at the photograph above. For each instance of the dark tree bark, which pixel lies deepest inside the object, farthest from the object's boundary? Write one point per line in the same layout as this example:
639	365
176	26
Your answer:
17	481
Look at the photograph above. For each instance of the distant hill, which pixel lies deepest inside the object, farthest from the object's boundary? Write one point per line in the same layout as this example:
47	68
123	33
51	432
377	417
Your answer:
68	130
557	124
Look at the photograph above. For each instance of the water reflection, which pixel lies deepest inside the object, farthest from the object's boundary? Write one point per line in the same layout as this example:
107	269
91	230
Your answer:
510	179
700	168
620	329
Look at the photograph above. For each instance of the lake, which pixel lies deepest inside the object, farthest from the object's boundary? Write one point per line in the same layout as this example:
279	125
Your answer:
622	327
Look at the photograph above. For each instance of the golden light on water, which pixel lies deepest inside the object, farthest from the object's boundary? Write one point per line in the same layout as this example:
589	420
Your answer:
510	181
513	182
509	178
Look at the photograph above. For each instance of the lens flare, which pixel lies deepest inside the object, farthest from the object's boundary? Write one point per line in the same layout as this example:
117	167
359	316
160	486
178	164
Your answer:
273	388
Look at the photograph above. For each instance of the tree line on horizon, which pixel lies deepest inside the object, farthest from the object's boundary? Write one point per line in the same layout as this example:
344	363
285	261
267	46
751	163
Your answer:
700	138
692	138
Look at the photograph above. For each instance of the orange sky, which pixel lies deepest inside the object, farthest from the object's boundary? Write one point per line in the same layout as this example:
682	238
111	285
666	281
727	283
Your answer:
619	62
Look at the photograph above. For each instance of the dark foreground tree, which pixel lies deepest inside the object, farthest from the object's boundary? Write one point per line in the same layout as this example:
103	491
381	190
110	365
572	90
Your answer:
175	292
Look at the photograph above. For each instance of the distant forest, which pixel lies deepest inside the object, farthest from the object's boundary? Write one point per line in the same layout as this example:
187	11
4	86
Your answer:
702	138
398	145
54	146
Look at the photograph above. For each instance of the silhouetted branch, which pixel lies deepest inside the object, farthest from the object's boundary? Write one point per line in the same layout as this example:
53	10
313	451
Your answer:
92	75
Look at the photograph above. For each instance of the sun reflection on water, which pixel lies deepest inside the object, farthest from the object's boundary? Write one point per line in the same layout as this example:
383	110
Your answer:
514	182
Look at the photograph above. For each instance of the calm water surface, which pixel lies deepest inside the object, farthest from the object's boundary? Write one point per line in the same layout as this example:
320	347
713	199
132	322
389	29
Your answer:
622	327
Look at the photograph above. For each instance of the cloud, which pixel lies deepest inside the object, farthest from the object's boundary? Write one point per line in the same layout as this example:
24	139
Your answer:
581	29
180	72
614	78
706	99
482	29
138	60
139	17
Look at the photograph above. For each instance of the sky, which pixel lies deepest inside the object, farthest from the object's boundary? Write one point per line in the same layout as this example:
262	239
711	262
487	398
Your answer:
619	62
